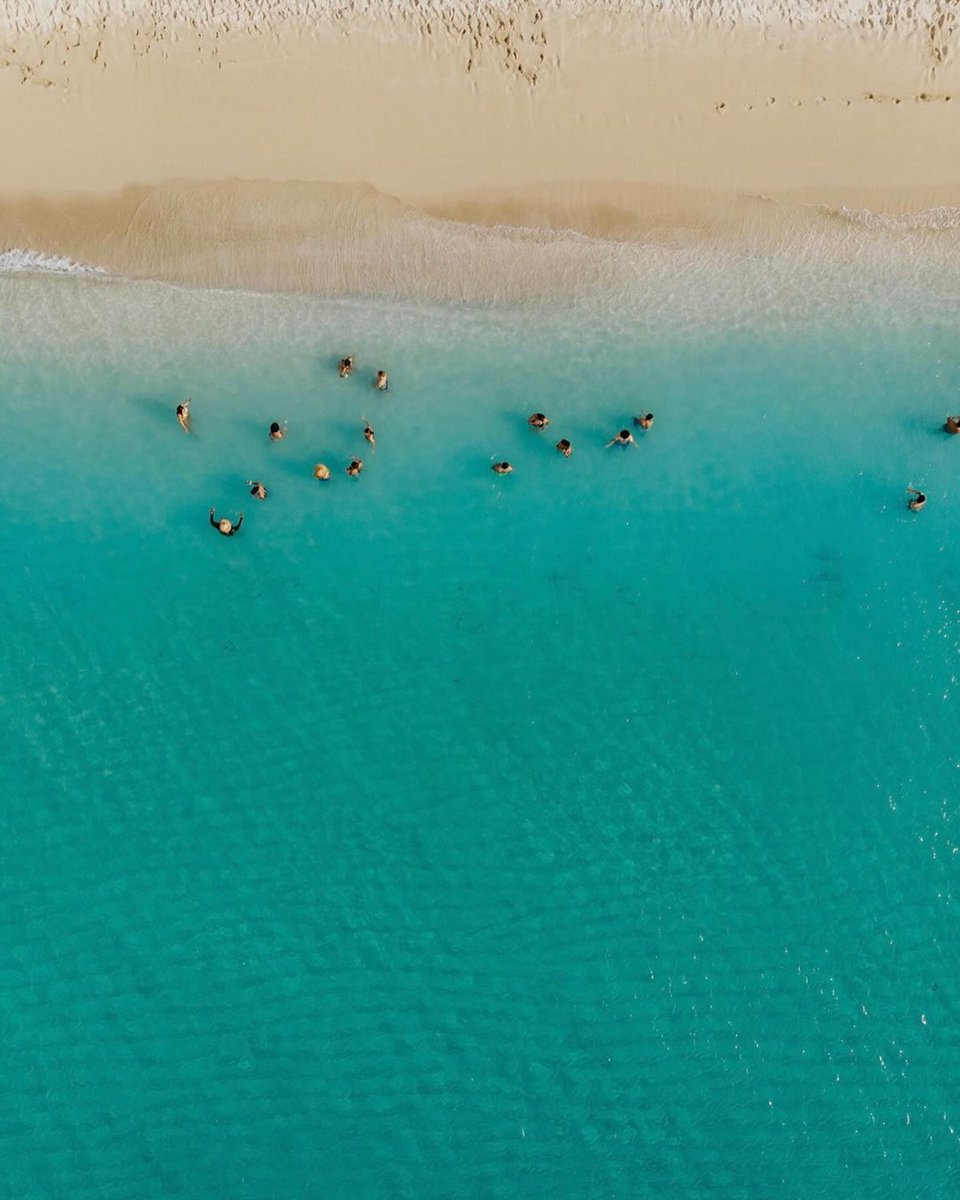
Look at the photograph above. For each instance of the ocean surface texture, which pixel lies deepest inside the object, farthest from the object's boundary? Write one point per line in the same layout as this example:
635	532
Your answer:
587	832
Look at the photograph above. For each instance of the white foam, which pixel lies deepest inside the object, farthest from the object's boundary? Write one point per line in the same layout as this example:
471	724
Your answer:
928	220
16	260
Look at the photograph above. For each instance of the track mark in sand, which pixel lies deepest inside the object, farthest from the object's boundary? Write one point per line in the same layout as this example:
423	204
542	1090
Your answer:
921	98
514	43
719	107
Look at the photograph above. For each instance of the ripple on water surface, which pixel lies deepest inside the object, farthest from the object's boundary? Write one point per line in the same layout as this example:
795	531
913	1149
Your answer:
584	832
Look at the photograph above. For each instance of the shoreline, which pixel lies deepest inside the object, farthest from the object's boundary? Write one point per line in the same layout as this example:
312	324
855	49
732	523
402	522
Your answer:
341	156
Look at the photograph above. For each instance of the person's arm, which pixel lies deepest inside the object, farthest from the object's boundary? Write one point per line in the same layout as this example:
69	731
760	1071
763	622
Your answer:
213	520
238	524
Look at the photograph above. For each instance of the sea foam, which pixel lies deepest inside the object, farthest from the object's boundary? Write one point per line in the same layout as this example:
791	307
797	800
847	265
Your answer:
16	260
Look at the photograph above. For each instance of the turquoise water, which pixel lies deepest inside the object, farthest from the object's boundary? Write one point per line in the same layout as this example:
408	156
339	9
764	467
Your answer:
587	832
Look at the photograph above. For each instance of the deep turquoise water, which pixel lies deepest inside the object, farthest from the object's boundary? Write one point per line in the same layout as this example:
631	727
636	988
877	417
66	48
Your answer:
588	832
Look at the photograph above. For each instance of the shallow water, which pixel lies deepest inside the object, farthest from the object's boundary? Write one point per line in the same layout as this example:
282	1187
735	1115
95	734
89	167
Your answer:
586	832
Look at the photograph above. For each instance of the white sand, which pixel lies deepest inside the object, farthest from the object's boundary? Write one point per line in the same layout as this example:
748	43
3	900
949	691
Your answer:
615	121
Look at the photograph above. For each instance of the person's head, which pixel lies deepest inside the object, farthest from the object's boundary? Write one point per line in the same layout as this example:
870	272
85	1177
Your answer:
565	447
224	524
624	435
381	376
321	471
274	428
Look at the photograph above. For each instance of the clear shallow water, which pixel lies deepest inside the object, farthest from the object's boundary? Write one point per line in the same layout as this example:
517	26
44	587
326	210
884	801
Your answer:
586	832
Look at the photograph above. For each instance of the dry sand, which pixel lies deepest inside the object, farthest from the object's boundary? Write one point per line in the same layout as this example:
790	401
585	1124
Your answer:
302	154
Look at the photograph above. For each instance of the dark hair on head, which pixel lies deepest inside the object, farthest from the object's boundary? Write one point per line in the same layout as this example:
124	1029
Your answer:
274	426
624	435
648	417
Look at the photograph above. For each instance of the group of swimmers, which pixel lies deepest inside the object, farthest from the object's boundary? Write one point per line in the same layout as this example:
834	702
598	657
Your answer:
540	421
346	367
276	432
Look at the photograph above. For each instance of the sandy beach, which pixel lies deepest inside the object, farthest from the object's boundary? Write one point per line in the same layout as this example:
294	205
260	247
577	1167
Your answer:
294	150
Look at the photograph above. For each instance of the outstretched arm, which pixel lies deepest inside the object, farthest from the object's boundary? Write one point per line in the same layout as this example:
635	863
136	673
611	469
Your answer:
213	520
238	524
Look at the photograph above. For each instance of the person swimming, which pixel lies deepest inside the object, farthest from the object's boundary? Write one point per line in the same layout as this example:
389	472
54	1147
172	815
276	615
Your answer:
257	490
277	431
644	422
369	435
502	468
538	421
225	525
918	499
321	471
565	447
623	438
346	366
183	415
381	383
355	466
951	425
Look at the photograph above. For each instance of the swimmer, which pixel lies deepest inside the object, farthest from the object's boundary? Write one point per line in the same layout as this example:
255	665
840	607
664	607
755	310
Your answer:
644	422
381	383
355	466
951	425
346	366
565	447
538	421
623	438
277	431
918	501
502	468
369	435
321	471
183	415
225	525
257	490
